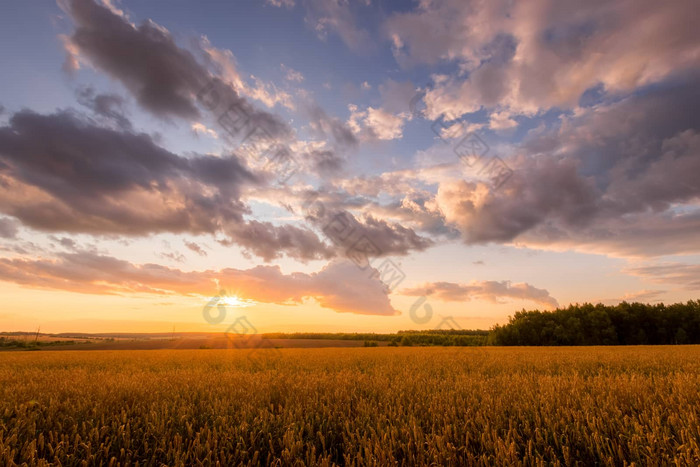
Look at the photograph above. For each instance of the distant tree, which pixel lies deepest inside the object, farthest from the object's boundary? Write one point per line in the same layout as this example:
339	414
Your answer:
681	336
588	324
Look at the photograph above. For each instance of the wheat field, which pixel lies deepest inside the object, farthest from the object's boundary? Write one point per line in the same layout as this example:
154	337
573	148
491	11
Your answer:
360	406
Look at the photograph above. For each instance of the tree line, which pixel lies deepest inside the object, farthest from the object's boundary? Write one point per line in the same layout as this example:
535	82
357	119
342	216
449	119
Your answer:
588	324
440	337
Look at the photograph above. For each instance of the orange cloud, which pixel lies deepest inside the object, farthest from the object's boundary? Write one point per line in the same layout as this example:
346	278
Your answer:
340	285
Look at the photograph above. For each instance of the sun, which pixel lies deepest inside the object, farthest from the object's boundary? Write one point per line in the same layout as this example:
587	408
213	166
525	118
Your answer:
237	302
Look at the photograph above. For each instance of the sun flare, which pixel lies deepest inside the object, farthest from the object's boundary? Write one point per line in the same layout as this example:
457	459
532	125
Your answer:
237	302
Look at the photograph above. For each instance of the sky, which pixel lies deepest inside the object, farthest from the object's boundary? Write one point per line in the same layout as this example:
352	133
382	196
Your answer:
331	165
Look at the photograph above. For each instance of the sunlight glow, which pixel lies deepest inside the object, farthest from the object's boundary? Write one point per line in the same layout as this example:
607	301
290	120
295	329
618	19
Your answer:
237	302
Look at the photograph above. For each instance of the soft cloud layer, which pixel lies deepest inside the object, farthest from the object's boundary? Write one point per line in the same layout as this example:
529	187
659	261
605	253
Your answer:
680	274
642	296
340	286
491	291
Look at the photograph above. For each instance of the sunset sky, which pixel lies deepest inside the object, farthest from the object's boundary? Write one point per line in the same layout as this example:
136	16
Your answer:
332	165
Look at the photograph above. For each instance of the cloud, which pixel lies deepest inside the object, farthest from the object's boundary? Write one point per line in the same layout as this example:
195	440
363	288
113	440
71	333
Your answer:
71	63
173	256
270	241
319	157
66	242
543	192
642	296
291	74
613	176
164	78
8	227
348	232
196	248
409	203
374	123
324	162
109	108
168	80
281	3
340	285
325	126
225	64
501	121
200	128
344	287
615	179
337	16
530	56
683	274
62	173
492	291
396	96
349	222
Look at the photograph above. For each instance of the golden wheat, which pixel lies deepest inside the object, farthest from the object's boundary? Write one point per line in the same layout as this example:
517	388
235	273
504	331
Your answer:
374	406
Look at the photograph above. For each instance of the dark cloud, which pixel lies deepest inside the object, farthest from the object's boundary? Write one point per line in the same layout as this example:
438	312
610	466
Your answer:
196	248
65	242
269	241
73	159
109	107
377	236
614	175
164	78
325	162
340	221
492	291
333	128
545	191
62	173
168	81
173	256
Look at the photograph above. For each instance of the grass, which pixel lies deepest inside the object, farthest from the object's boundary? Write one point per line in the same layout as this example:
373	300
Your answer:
359	406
